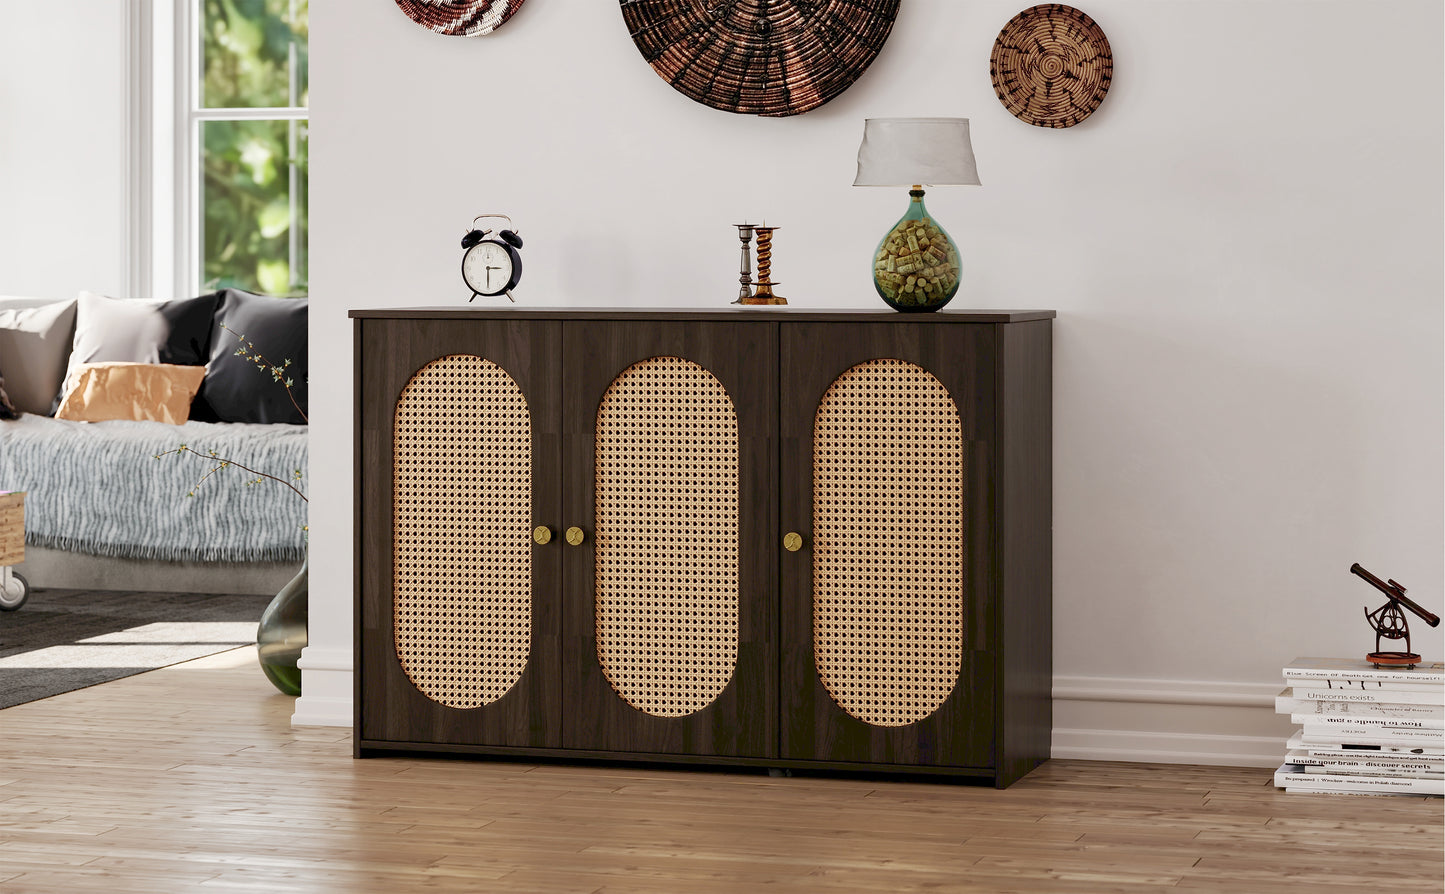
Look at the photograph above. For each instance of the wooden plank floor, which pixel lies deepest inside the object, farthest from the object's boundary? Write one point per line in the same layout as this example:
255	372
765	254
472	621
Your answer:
192	779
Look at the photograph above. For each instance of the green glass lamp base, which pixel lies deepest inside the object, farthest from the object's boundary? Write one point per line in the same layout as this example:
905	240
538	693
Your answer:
916	267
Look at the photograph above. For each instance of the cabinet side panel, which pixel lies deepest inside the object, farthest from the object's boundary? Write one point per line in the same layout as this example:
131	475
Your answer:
1026	510
360	472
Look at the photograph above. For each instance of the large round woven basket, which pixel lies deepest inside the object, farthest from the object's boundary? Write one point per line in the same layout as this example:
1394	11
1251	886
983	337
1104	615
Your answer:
760	57
465	18
1051	65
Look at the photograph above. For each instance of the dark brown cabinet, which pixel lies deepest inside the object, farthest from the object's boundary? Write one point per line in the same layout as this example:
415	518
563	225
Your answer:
782	539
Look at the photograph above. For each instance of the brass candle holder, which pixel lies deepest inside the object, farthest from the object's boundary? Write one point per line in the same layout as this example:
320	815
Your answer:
745	268
764	293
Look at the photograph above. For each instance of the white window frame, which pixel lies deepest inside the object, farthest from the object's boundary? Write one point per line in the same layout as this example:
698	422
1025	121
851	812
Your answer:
164	68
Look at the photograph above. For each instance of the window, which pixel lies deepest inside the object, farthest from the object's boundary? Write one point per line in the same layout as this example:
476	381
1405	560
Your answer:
245	153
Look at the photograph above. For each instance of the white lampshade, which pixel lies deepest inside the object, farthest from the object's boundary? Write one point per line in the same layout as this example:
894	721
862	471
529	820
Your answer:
916	151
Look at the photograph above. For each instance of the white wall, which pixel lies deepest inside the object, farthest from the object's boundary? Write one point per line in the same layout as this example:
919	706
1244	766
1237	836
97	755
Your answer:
1244	247
63	161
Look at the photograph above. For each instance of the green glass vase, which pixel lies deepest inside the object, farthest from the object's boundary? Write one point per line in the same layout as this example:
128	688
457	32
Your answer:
281	635
916	267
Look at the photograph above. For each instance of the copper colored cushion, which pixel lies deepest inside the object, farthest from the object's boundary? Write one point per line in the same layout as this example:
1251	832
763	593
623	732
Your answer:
144	392
141	331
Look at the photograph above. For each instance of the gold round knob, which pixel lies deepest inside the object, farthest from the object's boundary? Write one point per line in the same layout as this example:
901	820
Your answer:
575	536
792	541
542	534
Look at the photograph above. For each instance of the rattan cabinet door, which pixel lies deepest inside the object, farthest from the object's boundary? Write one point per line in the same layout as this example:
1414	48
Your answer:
885	609
459	607
669	643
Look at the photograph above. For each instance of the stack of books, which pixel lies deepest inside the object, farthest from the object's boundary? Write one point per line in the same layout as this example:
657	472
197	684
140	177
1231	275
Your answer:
1364	729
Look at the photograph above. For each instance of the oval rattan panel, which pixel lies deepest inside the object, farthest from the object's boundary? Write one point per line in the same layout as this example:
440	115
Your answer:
888	542
760	57
1051	65
667	536
465	18
462	532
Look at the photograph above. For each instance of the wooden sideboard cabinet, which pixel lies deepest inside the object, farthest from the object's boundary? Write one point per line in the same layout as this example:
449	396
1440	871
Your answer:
771	538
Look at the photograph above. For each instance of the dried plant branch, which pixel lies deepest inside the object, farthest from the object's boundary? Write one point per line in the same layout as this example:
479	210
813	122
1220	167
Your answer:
222	463
278	373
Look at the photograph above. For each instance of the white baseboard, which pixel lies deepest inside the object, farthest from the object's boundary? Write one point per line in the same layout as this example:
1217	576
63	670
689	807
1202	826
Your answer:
1168	692
1167	748
1168	721
325	688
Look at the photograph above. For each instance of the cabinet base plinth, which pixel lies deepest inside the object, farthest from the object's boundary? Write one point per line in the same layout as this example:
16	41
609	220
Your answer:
775	767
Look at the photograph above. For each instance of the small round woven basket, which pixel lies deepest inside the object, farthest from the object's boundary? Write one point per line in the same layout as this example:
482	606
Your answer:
760	57
1051	65
461	18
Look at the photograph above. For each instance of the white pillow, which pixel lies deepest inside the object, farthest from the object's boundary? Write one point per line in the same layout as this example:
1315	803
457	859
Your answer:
135	330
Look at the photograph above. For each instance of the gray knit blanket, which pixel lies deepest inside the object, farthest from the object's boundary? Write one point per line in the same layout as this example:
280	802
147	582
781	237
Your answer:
95	487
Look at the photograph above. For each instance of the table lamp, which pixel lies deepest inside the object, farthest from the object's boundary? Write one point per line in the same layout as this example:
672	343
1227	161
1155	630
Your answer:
916	267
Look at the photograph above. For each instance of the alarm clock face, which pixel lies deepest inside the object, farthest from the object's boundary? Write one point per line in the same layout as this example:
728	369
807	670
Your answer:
487	268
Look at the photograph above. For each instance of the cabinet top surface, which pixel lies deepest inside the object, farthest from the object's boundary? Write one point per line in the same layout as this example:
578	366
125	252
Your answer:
739	313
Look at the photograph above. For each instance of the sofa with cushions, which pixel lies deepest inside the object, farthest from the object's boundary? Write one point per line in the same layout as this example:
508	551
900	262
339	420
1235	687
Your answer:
97	394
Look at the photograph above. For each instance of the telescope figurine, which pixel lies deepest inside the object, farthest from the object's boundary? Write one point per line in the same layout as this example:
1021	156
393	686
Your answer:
1389	622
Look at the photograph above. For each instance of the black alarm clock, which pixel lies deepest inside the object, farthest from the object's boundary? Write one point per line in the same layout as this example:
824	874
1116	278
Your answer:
491	266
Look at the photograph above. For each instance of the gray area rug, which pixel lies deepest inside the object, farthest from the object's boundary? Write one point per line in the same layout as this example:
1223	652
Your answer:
62	640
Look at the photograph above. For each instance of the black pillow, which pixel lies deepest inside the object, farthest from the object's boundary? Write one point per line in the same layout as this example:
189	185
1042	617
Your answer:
234	389
131	331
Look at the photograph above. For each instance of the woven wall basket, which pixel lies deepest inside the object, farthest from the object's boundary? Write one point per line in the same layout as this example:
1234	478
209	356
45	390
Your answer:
465	18
1051	65
760	57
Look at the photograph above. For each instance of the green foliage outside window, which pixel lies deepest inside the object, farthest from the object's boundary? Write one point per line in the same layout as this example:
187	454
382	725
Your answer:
254	172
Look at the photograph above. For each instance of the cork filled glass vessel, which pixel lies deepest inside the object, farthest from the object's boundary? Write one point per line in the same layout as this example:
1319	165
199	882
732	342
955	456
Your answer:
916	266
